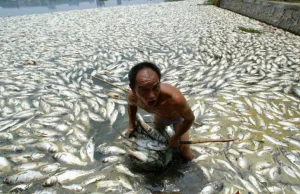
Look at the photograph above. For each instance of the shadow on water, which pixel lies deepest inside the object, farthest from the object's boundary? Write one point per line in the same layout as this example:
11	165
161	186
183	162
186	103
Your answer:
179	176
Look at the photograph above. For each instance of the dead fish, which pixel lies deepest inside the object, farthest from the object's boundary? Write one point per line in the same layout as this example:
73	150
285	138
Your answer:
108	183
68	158
46	191
109	150
123	169
12	148
29	166
21	188
143	156
74	187
112	159
93	179
4	165
50	168
24	177
274	140
46	146
90	148
66	176
212	188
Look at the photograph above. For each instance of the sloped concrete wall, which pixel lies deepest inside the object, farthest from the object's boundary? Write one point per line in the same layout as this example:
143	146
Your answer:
279	14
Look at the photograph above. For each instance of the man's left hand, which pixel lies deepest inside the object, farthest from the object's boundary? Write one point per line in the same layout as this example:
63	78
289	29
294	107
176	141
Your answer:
173	141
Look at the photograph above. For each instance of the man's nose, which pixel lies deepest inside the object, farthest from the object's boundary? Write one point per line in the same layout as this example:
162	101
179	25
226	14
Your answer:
151	95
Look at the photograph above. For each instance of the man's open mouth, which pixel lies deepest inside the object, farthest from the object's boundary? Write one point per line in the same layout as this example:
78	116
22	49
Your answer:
151	103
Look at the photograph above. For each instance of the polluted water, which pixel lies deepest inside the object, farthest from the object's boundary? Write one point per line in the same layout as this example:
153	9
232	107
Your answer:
60	126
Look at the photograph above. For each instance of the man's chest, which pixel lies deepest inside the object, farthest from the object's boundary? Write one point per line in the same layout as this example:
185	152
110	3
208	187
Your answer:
164	109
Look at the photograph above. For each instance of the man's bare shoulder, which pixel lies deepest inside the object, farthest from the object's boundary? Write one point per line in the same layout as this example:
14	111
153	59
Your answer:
132	99
172	93
168	88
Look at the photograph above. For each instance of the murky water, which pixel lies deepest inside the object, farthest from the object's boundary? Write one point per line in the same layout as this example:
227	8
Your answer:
19	7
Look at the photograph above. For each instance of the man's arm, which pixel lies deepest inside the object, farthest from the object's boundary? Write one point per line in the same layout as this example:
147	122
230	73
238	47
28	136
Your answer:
132	110
187	114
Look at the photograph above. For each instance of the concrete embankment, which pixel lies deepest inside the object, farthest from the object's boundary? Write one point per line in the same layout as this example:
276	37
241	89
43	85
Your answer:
280	14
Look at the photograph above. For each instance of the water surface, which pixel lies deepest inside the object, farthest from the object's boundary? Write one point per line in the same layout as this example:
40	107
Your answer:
26	7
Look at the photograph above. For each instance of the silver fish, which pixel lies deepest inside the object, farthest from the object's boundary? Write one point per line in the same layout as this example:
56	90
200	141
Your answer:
24	141
143	156
125	182
6	136
123	169
248	186
29	166
102	149
113	117
26	157
274	140
69	148
10	124
85	119
112	159
95	117
24	177
151	144
212	188
83	154
80	135
93	179
90	148
121	109
12	148
4	165
107	183
66	176
74	187
50	168
46	146
21	188
110	106
292	141
68	158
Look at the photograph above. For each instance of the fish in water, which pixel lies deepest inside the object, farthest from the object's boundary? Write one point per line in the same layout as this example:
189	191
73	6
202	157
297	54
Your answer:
148	148
24	177
66	176
51	107
212	188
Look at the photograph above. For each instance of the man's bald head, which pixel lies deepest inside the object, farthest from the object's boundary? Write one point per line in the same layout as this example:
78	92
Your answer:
138	67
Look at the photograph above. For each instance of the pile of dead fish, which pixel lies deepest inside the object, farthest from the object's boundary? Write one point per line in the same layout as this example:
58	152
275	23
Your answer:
149	147
46	136
239	85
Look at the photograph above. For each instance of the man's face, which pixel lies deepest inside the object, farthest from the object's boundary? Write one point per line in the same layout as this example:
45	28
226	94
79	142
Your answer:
147	86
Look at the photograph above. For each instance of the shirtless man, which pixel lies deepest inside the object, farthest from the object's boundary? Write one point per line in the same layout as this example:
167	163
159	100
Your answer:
163	100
